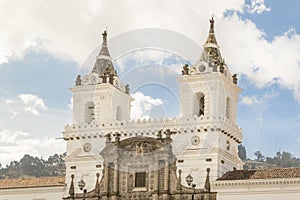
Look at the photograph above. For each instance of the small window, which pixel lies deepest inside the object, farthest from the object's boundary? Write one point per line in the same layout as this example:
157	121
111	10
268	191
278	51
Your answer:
208	160
140	179
200	104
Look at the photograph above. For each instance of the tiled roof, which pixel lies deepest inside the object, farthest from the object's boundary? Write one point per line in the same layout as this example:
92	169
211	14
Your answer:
32	182
262	174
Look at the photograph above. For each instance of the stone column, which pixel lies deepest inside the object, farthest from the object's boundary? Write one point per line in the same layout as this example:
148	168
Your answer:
106	179
166	183
156	181
116	179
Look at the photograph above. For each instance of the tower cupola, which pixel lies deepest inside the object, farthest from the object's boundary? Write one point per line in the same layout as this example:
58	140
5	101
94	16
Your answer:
104	64
211	52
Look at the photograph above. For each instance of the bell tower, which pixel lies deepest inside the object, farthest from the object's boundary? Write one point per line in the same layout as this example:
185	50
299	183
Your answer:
207	87
101	96
100	100
209	96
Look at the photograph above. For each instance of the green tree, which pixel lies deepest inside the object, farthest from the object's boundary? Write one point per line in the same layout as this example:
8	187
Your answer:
284	159
259	156
242	152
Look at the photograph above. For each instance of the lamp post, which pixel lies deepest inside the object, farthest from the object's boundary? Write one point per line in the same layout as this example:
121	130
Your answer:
189	180
81	185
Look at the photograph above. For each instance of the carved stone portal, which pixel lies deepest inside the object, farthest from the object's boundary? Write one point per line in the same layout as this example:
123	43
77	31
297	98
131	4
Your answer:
142	168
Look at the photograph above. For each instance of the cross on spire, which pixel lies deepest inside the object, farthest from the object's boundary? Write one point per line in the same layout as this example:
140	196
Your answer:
104	39
212	21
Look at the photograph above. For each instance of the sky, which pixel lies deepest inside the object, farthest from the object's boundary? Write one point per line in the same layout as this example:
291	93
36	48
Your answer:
45	44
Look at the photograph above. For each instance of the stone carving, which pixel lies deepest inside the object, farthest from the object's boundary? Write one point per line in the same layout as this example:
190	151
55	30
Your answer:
138	149
127	89
130	182
221	69
234	79
111	78
193	70
185	70
104	76
153	177
78	80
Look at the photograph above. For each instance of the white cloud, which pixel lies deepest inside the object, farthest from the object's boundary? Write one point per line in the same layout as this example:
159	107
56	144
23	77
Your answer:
257	6
8	138
24	102
70	105
35	23
142	106
143	57
244	45
152	61
250	100
32	103
264	62
14	144
261	99
13	113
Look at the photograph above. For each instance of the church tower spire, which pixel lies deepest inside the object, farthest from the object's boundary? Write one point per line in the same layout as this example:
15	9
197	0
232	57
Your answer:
104	64
211	50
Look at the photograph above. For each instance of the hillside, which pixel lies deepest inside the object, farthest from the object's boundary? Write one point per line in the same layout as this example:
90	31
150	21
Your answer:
280	160
30	166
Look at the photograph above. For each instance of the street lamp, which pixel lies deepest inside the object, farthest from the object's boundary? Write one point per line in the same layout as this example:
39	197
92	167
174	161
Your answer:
81	185
189	179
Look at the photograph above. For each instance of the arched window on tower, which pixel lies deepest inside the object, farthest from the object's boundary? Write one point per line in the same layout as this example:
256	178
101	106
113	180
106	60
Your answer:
228	108
119	116
200	104
89	112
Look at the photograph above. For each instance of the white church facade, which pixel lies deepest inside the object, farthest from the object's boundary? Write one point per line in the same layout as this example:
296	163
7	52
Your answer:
208	98
110	156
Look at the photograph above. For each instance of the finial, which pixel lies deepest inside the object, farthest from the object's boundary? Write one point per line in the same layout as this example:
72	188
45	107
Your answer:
117	139
234	79
179	180
78	80
108	138
212	21
104	35
127	89
158	135
72	189
97	185
207	183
